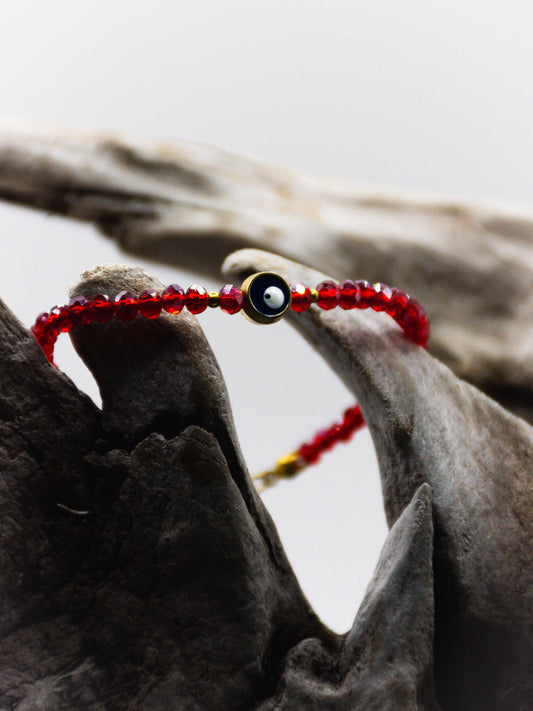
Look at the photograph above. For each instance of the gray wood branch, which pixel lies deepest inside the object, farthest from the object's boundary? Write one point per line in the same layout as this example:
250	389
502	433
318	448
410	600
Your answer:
176	578
430	427
471	265
173	592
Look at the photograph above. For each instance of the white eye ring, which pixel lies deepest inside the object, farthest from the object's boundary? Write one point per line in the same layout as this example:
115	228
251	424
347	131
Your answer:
273	297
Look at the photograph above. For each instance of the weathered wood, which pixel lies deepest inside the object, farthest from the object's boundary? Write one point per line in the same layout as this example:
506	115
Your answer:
430	427
471	265
173	591
393	630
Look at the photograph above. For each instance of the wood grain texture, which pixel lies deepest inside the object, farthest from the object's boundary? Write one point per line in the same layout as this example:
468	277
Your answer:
430	427
172	590
471	265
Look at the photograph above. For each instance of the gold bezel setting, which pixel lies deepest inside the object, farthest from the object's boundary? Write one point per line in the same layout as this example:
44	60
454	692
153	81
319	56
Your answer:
255	308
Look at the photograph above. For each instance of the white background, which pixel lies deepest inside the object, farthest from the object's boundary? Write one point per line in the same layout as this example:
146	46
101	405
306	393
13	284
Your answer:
430	95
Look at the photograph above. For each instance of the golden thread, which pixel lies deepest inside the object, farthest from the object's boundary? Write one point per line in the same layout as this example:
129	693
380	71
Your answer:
285	467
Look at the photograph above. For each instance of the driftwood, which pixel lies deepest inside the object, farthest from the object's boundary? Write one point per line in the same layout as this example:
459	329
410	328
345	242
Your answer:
430	427
169	588
471	265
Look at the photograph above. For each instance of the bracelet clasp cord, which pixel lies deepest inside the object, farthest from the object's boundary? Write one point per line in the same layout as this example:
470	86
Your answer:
285	468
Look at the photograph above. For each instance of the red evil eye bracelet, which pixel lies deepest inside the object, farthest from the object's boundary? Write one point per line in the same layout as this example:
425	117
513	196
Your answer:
263	298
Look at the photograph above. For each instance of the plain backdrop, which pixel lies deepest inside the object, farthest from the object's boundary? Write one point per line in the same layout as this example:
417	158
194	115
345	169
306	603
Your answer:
434	96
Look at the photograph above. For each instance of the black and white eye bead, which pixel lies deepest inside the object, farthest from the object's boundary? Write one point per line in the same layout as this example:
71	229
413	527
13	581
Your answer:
266	297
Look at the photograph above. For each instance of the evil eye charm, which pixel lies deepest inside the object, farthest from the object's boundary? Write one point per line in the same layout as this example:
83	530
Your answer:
266	297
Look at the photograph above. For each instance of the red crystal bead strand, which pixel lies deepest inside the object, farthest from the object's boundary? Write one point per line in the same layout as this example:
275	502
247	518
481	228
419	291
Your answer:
406	311
349	294
324	440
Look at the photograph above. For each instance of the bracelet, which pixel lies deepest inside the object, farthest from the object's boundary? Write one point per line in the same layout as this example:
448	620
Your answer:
263	298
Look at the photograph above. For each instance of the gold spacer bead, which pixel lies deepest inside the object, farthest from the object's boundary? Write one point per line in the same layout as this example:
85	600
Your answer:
288	466
285	468
214	299
314	296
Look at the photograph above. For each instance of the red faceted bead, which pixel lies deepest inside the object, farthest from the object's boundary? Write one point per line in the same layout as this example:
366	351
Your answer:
48	350
415	322
101	309
325	439
150	304
173	298
196	299
301	297
382	297
328	295
78	307
68	319
309	452
78	302
411	317
47	338
365	294
353	417
60	320
43	332
230	299
41	322
126	307
45	335
421	335
54	322
348	294
398	302
343	431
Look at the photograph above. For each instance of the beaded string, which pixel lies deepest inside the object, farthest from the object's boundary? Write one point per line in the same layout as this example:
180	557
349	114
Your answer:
264	298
